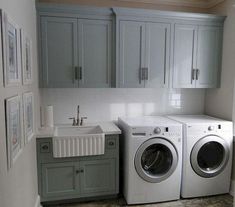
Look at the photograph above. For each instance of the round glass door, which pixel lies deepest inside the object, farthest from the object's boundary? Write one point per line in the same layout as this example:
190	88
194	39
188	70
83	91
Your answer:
209	156
156	160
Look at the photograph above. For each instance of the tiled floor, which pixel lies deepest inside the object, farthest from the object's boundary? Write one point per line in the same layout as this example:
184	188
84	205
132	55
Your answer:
215	201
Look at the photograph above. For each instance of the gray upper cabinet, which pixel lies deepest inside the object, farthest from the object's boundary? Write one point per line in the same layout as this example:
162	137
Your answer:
184	56
144	54
95	49
197	56
157	54
59	55
76	49
208	56
132	53
83	47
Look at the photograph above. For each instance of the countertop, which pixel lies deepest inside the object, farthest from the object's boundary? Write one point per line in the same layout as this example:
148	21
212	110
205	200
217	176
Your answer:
108	128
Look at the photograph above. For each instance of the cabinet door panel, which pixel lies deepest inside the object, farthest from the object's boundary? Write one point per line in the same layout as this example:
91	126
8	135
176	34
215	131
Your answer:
59	51
131	54
157	54
59	179
98	177
95	37
208	56
185	43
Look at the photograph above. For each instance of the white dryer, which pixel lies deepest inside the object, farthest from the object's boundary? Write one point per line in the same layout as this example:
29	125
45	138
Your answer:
152	159
207	155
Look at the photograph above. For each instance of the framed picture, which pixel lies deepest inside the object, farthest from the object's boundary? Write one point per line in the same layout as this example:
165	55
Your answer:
13	129
11	51
1	60
26	50
28	101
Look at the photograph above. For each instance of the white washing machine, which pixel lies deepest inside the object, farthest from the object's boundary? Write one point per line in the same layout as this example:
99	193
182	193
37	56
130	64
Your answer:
152	159
207	155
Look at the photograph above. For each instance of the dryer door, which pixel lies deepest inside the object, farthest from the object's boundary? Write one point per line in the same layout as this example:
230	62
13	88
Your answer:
155	160
210	156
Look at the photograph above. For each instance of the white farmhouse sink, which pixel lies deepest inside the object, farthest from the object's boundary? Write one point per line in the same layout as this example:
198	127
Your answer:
68	131
71	141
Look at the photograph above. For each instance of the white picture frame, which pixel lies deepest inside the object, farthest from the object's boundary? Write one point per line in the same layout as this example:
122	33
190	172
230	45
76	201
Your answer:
11	51
28	111
13	129
1	52
26	52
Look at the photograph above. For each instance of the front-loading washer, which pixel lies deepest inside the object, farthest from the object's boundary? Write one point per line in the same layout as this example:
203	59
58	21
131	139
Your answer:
207	155
152	159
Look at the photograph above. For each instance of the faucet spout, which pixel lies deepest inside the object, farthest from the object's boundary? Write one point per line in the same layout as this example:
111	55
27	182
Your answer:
78	112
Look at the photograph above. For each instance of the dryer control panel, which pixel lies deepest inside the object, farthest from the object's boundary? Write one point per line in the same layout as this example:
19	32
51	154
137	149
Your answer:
170	132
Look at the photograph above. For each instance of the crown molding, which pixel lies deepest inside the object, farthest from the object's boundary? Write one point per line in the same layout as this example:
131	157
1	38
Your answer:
205	4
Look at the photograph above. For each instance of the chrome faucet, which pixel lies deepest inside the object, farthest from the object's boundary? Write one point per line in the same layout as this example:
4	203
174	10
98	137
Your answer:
76	121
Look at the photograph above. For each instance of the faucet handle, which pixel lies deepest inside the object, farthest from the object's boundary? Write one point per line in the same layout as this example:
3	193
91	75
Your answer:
82	120
74	120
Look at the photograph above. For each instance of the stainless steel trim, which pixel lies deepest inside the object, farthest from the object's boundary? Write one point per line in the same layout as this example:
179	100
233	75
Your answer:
197	147
141	172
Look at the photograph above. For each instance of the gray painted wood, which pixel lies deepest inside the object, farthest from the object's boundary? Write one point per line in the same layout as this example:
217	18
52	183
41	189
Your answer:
208	56
95	53
157	54
59	179
185	45
59	51
98	176
131	54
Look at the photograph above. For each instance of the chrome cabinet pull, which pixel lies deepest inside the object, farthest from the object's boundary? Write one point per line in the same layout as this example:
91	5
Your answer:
80	73
197	73
140	75
193	74
76	73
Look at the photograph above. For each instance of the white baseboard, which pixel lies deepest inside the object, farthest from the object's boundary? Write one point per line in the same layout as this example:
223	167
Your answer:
37	202
232	187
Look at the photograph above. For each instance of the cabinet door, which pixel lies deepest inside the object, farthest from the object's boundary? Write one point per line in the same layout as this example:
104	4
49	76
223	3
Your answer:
98	177
185	43
95	53
60	179
157	54
131	54
59	51
208	56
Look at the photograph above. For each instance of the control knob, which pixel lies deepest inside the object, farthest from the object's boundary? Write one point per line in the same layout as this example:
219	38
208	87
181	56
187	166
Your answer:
210	128
157	130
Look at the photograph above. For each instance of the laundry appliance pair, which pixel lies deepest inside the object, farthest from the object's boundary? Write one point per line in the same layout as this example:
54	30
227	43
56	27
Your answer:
165	157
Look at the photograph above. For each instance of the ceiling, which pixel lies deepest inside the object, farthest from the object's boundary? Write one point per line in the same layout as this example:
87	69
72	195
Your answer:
188	3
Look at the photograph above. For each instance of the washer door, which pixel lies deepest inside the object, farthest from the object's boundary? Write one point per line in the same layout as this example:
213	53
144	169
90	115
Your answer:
210	156
155	160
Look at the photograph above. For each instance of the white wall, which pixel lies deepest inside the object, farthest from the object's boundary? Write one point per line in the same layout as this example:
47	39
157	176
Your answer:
18	187
108	104
220	102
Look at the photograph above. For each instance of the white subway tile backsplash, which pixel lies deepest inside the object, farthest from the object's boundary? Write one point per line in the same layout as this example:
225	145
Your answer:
109	104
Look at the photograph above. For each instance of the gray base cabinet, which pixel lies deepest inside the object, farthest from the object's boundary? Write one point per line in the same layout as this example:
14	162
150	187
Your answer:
77	177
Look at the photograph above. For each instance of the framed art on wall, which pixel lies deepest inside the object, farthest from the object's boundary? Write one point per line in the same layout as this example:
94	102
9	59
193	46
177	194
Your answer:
13	129
26	47
1	48
28	100
11	51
